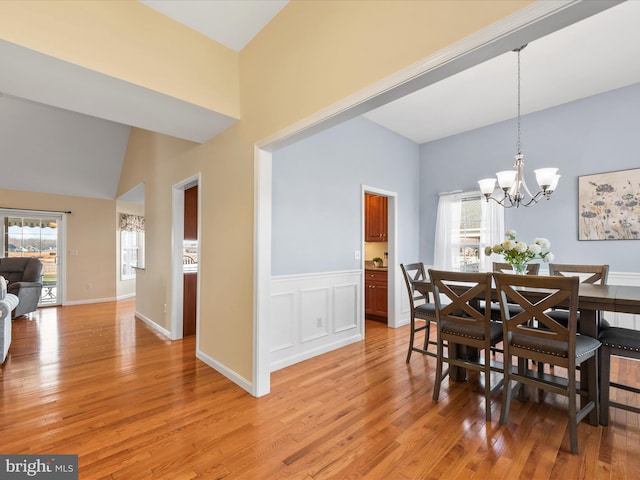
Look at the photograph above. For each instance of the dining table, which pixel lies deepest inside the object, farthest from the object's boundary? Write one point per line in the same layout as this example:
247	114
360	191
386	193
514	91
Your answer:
592	301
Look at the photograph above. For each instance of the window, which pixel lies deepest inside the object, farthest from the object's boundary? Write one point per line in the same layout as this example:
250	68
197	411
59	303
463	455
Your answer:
465	224
131	245
466	254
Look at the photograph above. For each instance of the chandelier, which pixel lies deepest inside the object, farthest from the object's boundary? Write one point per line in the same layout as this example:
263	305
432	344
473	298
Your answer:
512	182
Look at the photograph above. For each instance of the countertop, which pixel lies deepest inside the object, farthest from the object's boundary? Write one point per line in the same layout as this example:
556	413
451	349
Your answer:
371	267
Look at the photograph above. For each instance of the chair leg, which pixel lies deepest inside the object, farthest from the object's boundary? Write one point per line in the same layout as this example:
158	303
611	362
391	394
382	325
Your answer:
411	338
506	391
427	329
594	414
438	380
573	414
604	370
487	383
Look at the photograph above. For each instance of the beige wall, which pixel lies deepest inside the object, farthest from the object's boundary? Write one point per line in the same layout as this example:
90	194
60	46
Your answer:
313	54
90	232
126	39
304	61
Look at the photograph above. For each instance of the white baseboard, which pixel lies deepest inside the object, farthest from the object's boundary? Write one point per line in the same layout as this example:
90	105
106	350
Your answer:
306	355
154	325
91	300
228	373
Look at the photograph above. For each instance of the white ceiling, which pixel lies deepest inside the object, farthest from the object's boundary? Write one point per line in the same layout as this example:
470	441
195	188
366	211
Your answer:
232	23
45	100
598	54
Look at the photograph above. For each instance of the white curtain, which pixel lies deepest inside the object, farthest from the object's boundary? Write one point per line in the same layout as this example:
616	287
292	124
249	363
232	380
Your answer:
447	235
491	231
447	231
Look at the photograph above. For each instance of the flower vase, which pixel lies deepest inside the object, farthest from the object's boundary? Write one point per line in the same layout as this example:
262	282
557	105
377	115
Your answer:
519	268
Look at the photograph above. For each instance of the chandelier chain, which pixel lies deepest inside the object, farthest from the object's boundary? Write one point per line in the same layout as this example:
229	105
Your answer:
518	142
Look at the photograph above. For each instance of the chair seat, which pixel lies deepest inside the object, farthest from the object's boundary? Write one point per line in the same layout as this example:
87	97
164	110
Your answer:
562	317
426	311
621	339
584	345
472	331
513	310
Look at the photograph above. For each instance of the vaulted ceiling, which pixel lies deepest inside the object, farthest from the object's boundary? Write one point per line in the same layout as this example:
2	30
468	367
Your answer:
74	124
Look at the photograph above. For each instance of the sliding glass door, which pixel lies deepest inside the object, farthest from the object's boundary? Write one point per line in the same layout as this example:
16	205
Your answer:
36	234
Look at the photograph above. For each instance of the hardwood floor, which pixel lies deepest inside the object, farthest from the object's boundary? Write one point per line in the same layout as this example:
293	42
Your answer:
93	381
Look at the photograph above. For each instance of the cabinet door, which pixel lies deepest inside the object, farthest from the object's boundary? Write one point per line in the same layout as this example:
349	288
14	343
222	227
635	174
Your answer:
191	213
375	218
375	294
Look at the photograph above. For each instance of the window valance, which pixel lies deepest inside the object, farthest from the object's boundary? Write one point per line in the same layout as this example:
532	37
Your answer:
132	223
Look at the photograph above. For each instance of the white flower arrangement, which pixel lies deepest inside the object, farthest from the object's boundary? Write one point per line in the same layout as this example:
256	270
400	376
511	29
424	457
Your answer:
518	254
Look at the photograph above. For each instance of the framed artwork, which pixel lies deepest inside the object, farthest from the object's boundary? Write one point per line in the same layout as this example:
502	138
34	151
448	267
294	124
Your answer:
609	206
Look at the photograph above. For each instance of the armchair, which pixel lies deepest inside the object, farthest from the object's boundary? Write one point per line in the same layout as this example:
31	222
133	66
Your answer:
24	277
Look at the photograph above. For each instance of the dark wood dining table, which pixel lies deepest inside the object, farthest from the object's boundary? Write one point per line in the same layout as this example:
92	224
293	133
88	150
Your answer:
592	300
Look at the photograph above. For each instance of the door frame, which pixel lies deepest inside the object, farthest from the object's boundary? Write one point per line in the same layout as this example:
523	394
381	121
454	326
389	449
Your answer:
61	253
392	249
177	240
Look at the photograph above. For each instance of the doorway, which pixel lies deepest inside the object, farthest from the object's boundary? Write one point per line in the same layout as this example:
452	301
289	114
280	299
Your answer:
37	234
185	267
190	261
379	234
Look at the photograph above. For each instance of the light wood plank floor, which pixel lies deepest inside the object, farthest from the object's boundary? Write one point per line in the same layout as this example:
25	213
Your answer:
93	381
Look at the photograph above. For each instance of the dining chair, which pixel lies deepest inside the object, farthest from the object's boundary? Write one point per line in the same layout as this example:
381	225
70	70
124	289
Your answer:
499	267
423	312
533	335
595	274
461	323
618	342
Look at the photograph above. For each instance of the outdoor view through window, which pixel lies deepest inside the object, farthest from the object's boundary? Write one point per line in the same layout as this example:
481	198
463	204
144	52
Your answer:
468	248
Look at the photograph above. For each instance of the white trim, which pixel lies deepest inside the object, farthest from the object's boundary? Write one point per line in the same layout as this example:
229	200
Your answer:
230	374
393	303
302	276
86	301
261	273
527	24
300	357
154	325
177	240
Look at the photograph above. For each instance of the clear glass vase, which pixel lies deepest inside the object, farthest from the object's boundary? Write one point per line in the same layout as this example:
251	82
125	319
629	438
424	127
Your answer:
519	268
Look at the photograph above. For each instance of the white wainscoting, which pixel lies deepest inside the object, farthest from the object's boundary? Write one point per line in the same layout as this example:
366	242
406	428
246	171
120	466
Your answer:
314	314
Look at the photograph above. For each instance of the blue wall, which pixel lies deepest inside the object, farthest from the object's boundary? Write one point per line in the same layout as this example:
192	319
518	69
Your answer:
317	196
593	135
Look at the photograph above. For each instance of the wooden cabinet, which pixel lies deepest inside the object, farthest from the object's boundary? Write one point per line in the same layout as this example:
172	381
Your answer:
190	287
375	294
375	214
191	213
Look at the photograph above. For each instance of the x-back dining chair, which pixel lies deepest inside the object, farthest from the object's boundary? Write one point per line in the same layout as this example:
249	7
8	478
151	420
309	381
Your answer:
499	267
463	323
618	342
595	274
533	335
422	310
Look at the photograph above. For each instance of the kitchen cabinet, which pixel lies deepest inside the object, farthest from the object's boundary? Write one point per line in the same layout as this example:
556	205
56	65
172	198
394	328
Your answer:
375	294
375	213
190	287
191	213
